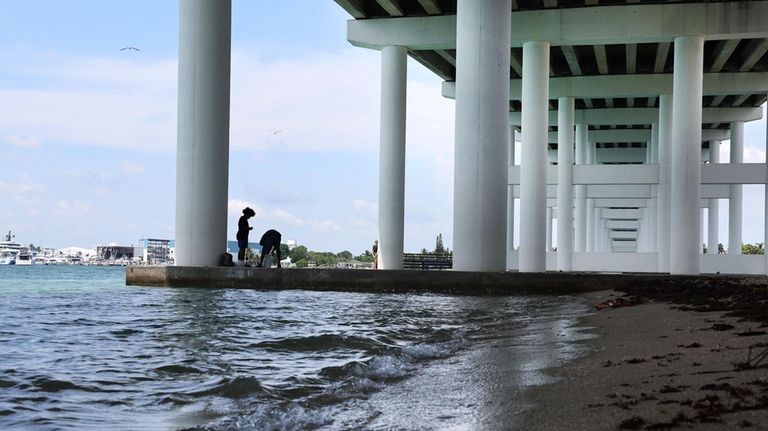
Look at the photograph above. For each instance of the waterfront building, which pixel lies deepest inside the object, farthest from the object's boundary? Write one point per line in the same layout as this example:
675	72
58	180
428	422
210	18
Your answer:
116	252
154	251
630	99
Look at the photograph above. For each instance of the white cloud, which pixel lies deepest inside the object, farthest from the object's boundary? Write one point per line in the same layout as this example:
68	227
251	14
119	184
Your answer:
364	205
235	208
72	208
28	142
320	102
324	225
754	155
130	167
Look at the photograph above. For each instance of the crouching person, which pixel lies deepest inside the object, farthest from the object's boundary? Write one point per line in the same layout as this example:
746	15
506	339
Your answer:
270	241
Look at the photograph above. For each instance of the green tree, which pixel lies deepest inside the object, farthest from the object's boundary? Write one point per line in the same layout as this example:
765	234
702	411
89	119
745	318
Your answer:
299	253
285	251
345	255
439	248
752	248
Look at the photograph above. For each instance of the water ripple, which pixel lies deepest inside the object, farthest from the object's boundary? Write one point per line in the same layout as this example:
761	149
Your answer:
81	350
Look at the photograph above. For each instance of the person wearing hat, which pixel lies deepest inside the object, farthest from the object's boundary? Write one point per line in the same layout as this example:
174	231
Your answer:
242	232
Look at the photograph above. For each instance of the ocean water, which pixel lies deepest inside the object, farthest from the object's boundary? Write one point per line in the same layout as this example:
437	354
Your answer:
80	350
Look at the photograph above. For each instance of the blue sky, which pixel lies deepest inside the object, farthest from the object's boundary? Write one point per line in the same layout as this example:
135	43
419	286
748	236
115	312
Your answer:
88	132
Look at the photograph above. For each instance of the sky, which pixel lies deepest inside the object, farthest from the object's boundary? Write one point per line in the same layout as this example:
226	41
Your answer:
88	130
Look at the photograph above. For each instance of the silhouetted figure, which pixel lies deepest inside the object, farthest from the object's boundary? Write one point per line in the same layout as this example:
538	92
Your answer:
270	241
375	250
242	232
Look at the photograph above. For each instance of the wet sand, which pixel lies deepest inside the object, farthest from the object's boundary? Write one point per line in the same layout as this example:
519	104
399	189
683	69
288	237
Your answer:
663	365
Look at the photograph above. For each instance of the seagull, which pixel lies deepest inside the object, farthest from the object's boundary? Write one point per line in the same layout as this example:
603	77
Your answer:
130	48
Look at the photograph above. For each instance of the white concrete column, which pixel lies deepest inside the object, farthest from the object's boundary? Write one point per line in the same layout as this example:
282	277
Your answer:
548	244
580	191
652	221
765	212
735	202
533	187
655	143
483	32
394	75
511	195
686	154
653	201
713	219
701	231
589	233
665	156
202	150
565	114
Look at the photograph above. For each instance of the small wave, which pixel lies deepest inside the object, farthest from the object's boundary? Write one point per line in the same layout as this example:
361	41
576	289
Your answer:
125	332
427	351
318	343
6	384
384	368
53	385
289	418
238	387
178	369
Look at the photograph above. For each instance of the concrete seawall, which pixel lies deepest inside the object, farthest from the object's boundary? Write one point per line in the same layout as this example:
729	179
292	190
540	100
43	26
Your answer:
446	282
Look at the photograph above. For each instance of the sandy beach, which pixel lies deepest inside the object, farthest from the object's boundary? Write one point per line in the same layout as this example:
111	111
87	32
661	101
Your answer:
662	365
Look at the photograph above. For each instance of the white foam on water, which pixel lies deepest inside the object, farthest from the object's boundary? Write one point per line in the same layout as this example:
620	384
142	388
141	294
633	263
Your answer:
385	367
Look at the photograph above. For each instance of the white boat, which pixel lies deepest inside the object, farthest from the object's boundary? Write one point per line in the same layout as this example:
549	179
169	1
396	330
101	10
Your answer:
24	257
9	250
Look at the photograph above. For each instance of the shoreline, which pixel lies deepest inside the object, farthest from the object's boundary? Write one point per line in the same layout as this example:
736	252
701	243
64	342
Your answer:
658	365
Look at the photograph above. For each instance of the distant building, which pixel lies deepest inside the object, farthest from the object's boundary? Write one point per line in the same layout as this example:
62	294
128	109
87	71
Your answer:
114	252
155	251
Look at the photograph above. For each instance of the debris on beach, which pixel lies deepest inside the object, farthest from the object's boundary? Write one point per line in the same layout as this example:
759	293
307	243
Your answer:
624	301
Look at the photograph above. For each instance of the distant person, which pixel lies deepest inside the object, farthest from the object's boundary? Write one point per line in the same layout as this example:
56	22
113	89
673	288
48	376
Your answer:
270	241
242	232
375	250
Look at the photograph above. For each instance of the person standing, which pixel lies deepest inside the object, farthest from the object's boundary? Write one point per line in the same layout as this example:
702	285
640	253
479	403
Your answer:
375	250
243	229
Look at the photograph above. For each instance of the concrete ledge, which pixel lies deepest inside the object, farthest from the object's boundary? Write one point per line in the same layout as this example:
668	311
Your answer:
447	282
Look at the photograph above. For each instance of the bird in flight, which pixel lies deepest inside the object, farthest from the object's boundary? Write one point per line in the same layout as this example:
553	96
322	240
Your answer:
277	132
129	48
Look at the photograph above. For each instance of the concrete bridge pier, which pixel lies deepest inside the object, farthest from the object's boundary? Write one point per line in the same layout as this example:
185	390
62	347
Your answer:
483	38
202	153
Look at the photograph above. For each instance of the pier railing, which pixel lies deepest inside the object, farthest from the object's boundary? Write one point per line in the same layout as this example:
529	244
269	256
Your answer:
427	261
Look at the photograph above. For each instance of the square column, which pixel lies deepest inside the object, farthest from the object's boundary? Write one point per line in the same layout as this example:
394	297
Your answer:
483	40
686	154
653	201
548	243
580	191
565	115
714	205
394	75
511	196
735	203
533	181
665	156
590	232
202	149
